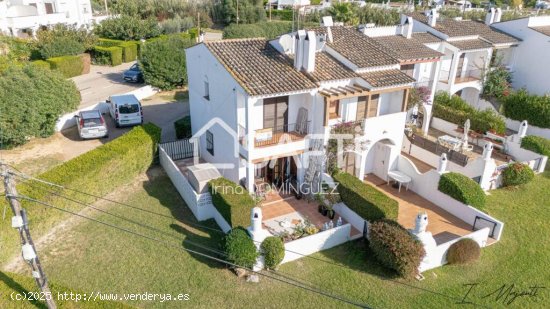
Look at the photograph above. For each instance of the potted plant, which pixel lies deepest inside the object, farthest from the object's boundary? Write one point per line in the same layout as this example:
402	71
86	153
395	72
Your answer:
330	211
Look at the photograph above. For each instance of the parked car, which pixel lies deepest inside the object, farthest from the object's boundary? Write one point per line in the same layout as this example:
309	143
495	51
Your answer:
91	124
125	110
133	74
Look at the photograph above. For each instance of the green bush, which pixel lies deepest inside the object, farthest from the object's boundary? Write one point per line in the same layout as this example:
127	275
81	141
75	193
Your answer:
128	28
273	250
517	174
69	66
463	251
129	51
107	55
63	40
41	63
32	99
268	30
108	42
367	201
232	201
395	247
285	14
536	144
521	105
239	248
248	11
183	127
462	189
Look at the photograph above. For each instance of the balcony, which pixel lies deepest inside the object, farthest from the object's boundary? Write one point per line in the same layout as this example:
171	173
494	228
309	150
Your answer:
466	77
281	134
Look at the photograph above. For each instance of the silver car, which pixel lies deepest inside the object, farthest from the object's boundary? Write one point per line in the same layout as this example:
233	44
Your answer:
91	124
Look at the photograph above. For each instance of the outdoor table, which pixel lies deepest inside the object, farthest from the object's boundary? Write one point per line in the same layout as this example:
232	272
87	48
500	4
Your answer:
401	178
449	140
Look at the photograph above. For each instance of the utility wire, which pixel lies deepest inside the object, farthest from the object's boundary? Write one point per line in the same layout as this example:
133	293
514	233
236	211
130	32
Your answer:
170	245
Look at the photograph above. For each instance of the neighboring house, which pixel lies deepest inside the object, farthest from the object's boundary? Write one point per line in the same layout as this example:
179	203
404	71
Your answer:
530	63
296	88
469	48
23	18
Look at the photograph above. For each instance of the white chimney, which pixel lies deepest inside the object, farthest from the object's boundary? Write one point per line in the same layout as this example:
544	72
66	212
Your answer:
432	17
522	132
327	21
329	35
490	16
408	27
498	16
299	49
442	167
487	151
310	43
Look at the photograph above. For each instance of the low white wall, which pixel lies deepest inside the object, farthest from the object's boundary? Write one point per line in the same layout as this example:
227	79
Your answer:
438	256
531	129
317	242
66	121
525	156
444	126
350	216
144	92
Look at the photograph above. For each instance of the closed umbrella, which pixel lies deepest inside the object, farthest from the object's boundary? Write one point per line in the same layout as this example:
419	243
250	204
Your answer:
466	131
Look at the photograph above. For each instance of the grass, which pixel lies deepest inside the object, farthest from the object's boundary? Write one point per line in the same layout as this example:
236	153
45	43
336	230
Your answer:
90	257
174	95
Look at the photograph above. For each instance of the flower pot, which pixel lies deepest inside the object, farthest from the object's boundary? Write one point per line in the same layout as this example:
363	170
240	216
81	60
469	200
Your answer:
331	214
324	211
298	196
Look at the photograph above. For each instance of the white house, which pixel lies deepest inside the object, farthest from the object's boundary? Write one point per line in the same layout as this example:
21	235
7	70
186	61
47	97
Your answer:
281	96
24	17
530	62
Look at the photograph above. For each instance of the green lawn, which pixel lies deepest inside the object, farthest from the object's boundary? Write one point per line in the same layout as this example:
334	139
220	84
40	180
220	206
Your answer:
91	257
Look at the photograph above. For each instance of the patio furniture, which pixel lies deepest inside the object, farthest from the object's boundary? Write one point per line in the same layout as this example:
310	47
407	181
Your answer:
450	142
400	178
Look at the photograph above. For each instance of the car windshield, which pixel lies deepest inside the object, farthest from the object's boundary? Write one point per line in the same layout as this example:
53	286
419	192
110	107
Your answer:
92	122
135	67
128	108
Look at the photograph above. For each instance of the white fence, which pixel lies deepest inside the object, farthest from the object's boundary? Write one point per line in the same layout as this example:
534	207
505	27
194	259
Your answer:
317	242
351	217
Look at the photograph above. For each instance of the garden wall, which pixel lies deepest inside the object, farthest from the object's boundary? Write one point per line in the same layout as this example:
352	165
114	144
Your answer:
531	129
536	162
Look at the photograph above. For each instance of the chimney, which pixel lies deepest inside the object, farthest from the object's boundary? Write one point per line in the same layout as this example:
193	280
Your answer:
490	16
407	28
299	49
432	17
310	47
498	15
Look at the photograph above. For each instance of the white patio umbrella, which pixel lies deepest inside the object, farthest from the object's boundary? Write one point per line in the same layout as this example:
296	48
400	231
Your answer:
466	131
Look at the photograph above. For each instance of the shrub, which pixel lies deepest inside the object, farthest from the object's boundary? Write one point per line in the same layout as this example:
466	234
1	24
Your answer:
517	174
183	127
129	51
240	248
127	28
232	201
463	251
41	63
177	25
69	66
367	201
32	100
107	55
497	83
109	42
536	144
163	62
284	14
63	40
268	30
462	189
249	11
520	106
273	250
395	247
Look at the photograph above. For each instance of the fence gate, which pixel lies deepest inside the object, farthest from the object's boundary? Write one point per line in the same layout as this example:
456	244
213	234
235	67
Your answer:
180	149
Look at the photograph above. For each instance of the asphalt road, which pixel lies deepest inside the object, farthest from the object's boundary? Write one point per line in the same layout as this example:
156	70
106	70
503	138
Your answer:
102	82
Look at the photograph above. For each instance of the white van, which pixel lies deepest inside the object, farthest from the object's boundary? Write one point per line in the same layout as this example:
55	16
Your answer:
125	110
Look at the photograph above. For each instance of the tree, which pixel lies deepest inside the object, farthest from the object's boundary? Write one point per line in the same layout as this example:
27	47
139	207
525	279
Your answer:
376	15
64	40
31	101
248	11
128	28
345	12
163	62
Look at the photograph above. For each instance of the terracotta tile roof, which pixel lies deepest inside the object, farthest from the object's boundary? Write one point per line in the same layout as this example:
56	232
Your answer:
458	28
258	67
357	47
387	78
470	44
327	68
406	49
542	29
425	37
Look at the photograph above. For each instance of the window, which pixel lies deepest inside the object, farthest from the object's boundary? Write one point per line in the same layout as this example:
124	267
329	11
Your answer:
128	108
334	109
210	142
49	8
408	69
206	90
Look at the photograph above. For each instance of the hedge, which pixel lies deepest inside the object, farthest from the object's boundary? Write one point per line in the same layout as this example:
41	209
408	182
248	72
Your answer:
273	250
69	66
239	248
521	105
517	174
107	55
41	63
183	127
536	144
395	247
463	251
462	189
232	201
367	201
268	30
86	62
129	51
109	42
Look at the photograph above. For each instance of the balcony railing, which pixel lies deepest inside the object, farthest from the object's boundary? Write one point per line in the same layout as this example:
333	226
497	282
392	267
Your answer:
467	76
281	134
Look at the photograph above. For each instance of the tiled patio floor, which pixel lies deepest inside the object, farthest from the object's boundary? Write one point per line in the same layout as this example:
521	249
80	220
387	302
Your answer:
422	166
443	226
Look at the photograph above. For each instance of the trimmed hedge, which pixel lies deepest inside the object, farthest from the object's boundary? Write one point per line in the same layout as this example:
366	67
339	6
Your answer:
183	127
273	250
521	105
69	66
41	63
108	42
462	189
536	144
367	201
86	62
517	174
463	251
129	51
232	201
240	248
395	247
107	55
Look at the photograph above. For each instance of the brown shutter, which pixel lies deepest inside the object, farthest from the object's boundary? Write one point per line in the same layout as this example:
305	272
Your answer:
269	113
361	108
373	106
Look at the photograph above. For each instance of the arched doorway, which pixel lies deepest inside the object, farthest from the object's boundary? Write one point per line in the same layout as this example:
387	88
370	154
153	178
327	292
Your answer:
380	158
470	95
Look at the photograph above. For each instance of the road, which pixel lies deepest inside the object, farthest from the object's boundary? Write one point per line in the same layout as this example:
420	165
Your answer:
101	82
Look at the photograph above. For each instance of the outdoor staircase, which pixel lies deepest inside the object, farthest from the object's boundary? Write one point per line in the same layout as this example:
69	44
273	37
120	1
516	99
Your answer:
316	163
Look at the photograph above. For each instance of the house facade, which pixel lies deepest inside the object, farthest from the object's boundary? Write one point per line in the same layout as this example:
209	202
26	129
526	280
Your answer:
529	64
22	18
280	99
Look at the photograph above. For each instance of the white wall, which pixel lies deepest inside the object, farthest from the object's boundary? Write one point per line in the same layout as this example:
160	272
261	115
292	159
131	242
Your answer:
531	129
